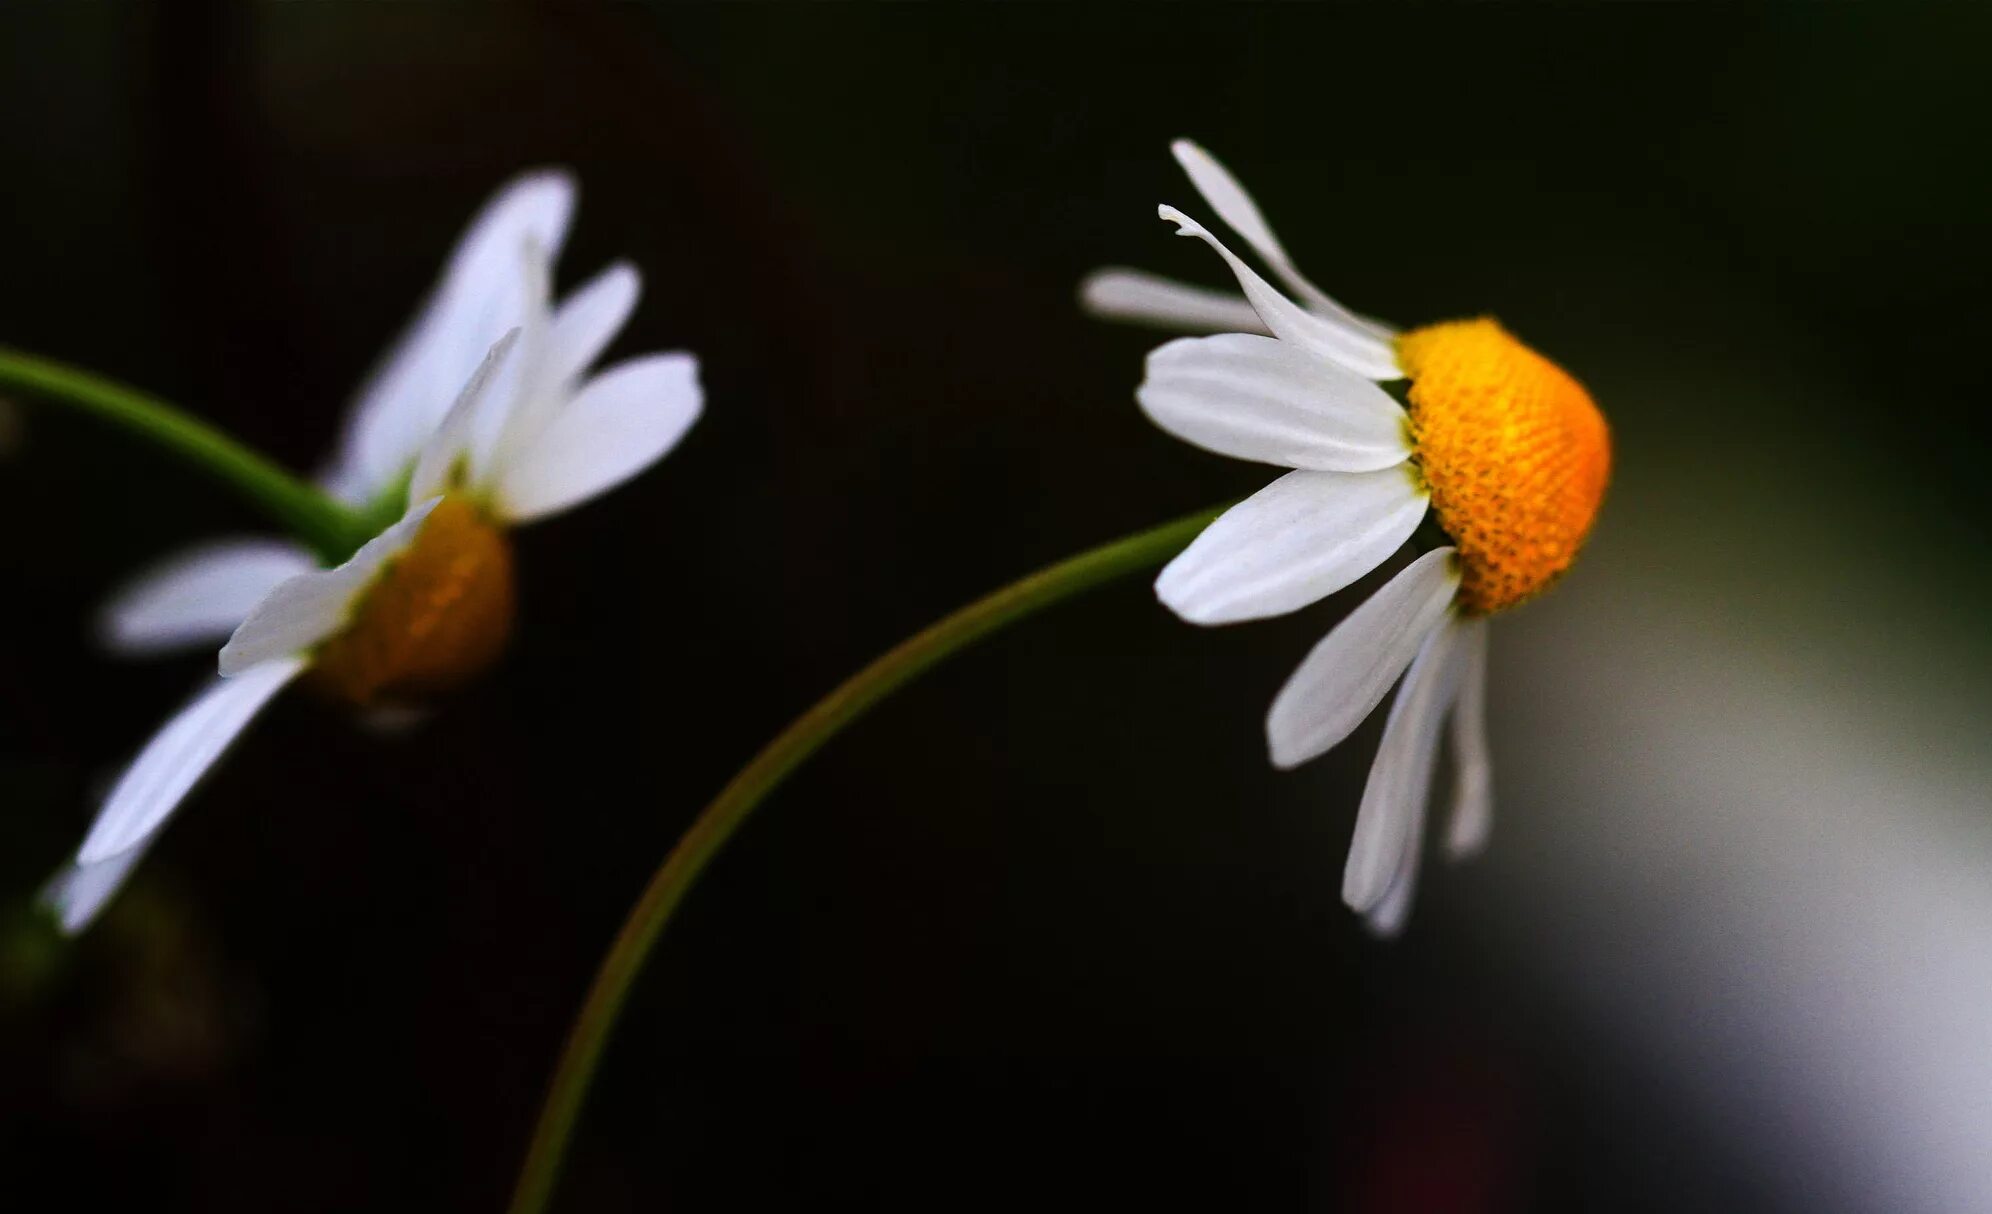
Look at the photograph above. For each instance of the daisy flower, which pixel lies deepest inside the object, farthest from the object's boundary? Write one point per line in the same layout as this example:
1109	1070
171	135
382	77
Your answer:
1500	448
483	416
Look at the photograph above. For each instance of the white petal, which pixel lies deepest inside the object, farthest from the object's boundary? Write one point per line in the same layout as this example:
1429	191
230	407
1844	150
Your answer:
522	396
80	891
479	297
311	607
1383	854
1347	674
1473	783
588	320
1139	297
1236	208
446	457
532	209
177	756
197	596
1300	539
1361	352
620	423
1263	399
1386	919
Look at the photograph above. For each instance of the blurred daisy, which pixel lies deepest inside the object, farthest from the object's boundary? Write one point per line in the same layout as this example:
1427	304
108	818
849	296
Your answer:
1503	450
483	417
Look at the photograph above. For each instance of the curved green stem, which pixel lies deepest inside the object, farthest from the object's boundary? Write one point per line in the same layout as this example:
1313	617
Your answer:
716	824
304	511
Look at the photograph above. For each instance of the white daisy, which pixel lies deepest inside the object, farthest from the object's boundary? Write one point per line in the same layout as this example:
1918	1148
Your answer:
484	416
1504	450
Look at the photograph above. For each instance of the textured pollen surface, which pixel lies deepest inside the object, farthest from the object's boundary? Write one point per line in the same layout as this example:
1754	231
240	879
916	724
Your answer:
1515	452
438	614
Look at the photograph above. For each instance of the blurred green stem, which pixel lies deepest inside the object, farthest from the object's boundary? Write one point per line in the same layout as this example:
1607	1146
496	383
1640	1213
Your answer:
716	824
303	510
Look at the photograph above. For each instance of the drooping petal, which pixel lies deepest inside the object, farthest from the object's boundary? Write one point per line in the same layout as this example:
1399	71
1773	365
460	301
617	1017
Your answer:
1360	352
1347	674
1473	783
311	607
1138	297
1300	539
588	320
446	458
177	756
1384	851
479	297
1386	919
1263	399
1235	207
78	892
197	596
620	423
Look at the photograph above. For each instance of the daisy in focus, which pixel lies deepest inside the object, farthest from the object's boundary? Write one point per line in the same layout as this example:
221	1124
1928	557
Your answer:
1504	451
484	416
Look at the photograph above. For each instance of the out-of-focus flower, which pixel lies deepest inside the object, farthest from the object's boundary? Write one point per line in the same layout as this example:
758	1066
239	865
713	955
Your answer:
483	417
1505	451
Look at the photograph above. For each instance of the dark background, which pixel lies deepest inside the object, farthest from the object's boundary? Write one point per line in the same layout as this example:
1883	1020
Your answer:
1044	931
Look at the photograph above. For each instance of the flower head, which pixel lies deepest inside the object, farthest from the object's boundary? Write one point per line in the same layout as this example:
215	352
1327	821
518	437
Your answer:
484	416
1504	450
1514	451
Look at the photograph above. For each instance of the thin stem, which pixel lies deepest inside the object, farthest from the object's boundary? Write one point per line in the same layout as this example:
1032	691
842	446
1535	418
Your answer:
304	511
716	824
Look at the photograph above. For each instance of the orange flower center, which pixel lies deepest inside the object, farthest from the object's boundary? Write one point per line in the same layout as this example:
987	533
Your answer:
437	614
1514	451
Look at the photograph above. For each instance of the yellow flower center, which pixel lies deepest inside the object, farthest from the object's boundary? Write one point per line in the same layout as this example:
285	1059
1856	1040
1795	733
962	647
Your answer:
1514	451
437	614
